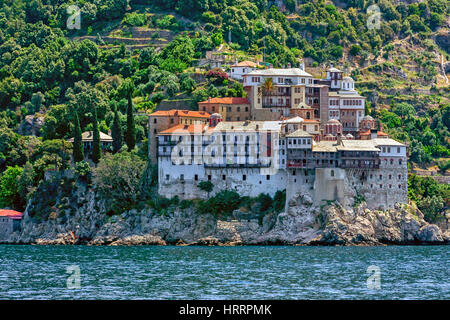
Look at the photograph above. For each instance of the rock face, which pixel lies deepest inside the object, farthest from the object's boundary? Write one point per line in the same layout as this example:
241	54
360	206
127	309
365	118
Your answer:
31	125
301	223
402	225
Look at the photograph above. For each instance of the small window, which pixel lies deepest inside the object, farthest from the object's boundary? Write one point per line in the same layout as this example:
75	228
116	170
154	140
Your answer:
268	177
196	177
244	177
332	173
209	177
182	177
167	177
224	177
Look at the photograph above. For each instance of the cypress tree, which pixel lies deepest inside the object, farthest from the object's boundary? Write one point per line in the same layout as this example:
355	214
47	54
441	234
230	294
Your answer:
116	131
131	130
96	149
78	153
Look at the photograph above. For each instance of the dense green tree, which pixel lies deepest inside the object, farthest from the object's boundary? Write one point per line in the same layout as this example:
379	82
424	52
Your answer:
78	150
404	110
96	147
118	178
116	131
9	188
206	186
56	122
127	90
187	83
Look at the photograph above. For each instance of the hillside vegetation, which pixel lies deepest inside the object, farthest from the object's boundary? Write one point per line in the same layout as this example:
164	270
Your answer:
127	57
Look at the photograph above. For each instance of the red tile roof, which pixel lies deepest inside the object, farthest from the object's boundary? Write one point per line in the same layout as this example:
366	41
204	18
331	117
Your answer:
11	214
181	113
227	100
379	133
181	129
245	64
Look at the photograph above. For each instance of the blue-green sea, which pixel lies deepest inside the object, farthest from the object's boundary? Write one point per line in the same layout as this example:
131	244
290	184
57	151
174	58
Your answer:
259	272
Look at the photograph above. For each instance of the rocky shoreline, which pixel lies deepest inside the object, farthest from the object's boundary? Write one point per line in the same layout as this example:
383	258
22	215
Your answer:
300	224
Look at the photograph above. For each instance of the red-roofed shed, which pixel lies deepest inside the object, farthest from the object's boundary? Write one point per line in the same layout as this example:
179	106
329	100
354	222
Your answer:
9	222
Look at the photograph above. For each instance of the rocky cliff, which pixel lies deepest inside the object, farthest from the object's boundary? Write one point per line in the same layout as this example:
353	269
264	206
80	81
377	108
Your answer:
302	223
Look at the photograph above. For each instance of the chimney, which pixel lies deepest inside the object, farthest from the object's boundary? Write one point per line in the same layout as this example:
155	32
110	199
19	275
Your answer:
339	139
209	99
302	66
373	134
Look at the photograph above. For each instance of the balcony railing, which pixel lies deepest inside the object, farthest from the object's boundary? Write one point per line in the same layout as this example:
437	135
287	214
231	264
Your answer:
359	166
276	93
238	165
276	105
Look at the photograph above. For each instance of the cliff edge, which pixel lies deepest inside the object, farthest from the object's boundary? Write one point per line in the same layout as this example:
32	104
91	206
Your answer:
302	223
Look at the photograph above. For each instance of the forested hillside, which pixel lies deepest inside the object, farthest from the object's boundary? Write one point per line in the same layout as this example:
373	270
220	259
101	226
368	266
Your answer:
129	56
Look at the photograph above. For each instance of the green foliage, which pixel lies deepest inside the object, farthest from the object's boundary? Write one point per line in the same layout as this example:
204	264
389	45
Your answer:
116	131
57	124
127	90
42	70
117	177
432	207
222	204
429	195
206	186
444	165
96	147
135	19
358	200
226	201
9	188
78	150
82	170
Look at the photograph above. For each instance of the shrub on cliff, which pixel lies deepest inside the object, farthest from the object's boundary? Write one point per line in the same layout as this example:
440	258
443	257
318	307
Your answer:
222	204
118	179
83	171
9	188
